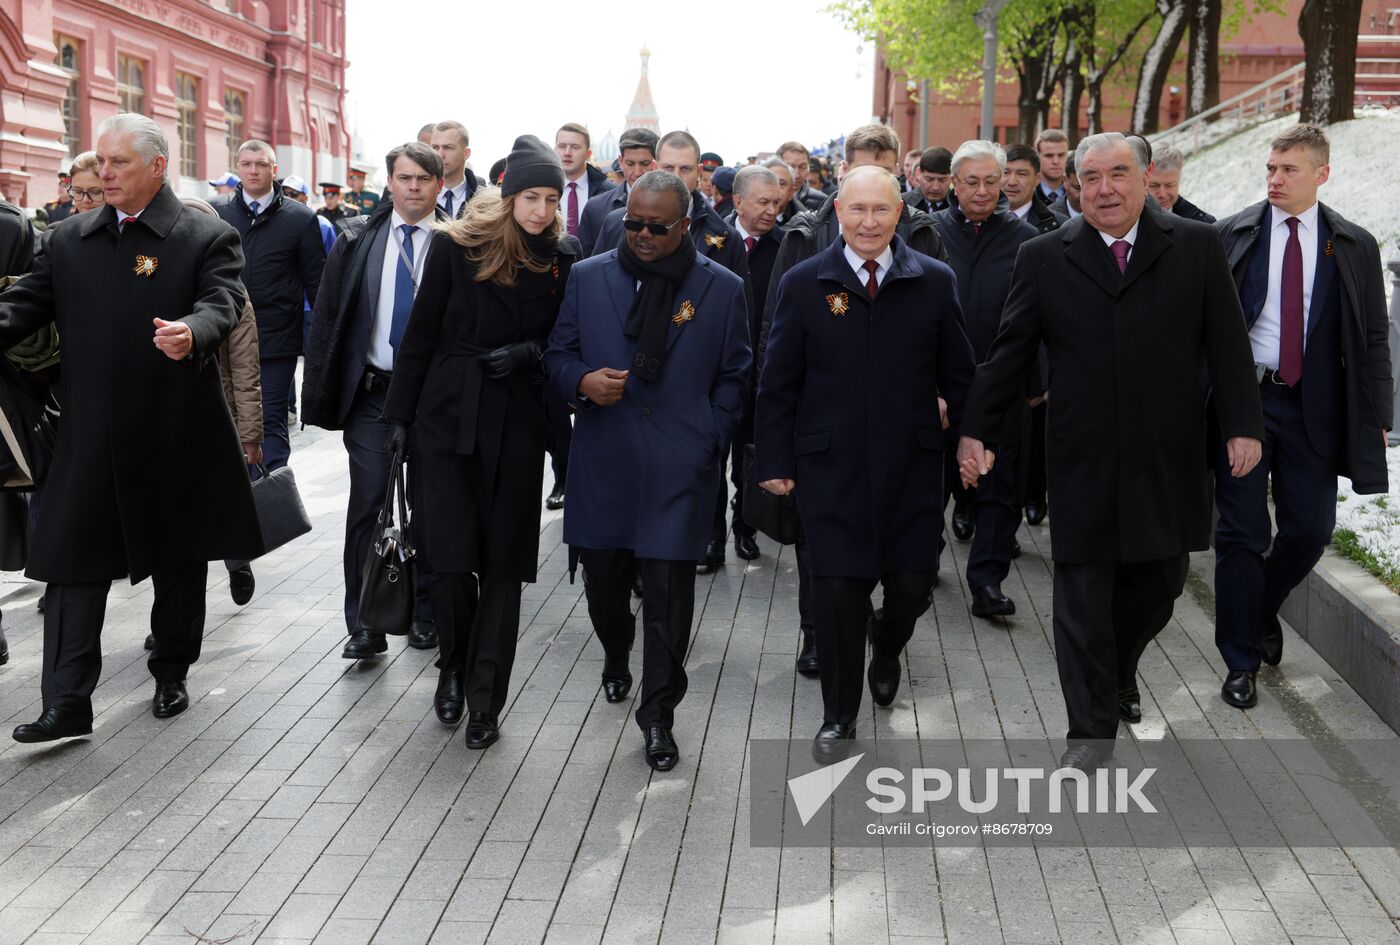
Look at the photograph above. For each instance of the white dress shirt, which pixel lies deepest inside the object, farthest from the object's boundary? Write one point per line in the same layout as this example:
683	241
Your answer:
743	233
262	202
1130	237
381	353
1025	209
459	196
882	265
1264	333
122	215
583	193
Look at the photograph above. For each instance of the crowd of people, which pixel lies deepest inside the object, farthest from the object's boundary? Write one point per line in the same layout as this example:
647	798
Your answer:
983	329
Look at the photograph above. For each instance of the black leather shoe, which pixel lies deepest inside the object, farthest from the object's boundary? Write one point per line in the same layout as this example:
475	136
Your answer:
364	645
4	649
989	601
616	688
54	724
555	502
1271	641
883	676
713	560
150	642
1015	549
1239	690
241	584
745	547
482	730
662	753
1085	757
833	742
1035	511
170	699
807	663
1130	705
963	526
447	702
422	635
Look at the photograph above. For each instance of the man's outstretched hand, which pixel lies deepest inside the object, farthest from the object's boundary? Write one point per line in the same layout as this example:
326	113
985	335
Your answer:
974	460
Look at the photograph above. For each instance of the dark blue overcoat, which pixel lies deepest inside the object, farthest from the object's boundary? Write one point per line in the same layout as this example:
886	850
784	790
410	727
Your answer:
643	472
848	408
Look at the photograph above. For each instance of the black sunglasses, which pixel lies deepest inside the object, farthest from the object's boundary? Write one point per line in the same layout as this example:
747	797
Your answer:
655	229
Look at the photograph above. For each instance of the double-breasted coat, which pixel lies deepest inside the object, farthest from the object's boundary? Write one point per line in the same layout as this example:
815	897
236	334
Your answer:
848	407
1126	445
480	441
643	472
148	474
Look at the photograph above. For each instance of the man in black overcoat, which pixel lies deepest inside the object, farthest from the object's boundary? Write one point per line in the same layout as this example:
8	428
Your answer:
1313	295
148	476
982	244
866	339
636	156
1127	304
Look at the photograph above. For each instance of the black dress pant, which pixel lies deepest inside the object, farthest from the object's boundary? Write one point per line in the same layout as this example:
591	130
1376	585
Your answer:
364	436
668	606
1250	587
1105	615
478	621
1035	489
843	608
996	513
73	618
724	506
561	434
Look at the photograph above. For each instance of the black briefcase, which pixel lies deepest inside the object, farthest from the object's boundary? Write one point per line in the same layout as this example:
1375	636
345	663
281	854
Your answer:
390	578
281	514
774	515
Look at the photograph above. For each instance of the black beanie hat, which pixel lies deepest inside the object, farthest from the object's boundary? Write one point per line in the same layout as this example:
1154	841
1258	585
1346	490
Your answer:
531	163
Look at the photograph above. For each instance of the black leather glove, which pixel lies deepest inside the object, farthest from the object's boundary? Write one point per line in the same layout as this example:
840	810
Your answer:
396	441
508	359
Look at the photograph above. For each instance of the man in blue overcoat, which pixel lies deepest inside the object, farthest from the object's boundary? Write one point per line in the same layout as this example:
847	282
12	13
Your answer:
652	348
866	337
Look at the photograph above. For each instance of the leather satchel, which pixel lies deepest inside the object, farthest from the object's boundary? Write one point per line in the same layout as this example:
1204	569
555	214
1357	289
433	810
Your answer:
281	514
389	581
774	515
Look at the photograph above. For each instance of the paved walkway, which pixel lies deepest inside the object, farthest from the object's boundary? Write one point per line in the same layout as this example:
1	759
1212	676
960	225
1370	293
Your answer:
306	799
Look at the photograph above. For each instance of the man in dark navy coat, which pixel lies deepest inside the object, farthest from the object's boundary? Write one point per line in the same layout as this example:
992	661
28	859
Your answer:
1126	447
652	348
1313	295
637	155
866	337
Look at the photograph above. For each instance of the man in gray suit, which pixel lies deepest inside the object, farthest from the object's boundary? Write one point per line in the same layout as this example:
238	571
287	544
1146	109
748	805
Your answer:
367	292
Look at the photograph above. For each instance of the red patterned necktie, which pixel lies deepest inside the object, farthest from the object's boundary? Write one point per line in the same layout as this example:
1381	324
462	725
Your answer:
872	285
1120	254
571	213
1290	345
125	221
748	244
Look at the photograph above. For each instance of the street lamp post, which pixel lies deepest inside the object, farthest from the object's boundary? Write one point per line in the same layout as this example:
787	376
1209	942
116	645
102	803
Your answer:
987	19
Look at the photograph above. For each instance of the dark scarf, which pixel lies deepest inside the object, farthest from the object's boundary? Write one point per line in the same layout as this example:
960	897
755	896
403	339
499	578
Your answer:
655	302
542	247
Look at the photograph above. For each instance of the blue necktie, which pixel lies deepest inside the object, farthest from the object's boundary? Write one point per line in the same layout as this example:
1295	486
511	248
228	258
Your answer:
403	289
448	198
253	207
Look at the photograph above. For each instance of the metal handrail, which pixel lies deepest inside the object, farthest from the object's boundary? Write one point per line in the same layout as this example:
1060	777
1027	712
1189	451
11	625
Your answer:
1214	110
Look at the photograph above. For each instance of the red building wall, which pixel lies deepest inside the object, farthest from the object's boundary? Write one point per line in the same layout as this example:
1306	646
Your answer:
285	57
1261	49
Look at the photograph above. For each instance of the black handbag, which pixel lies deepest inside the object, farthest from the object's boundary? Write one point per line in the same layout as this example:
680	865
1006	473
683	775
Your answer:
774	515
281	515
389	582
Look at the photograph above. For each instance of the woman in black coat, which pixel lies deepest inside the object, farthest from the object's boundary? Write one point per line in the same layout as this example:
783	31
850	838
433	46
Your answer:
468	376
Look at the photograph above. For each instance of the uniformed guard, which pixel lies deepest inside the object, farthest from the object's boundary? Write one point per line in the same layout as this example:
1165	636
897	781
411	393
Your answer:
362	200
336	211
62	208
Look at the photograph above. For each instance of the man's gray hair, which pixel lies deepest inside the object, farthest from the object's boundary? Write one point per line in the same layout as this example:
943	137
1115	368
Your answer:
664	182
1168	158
776	161
1107	141
146	137
752	174
979	149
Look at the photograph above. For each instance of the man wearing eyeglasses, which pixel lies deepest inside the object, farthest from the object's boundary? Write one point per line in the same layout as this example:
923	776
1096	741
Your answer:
982	244
652	349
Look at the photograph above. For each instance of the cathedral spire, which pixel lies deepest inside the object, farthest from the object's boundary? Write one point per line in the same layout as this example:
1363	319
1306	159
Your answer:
642	114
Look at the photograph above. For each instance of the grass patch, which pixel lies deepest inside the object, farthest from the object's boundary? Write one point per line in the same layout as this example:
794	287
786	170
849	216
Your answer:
1349	547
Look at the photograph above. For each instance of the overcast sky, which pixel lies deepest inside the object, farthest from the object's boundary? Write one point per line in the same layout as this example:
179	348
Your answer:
504	69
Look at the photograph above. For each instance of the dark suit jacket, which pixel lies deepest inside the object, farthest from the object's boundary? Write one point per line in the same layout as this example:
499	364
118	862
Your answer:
1187	209
595	213
848	407
1347	389
917	201
1126	444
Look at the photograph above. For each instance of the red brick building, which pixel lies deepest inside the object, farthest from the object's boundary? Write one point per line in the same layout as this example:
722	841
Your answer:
1261	49
212	72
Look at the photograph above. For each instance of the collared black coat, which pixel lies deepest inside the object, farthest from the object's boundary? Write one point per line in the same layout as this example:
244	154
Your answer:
848	408
480	442
1188	210
1126	444
16	240
340	217
1040	216
1365	349
148	474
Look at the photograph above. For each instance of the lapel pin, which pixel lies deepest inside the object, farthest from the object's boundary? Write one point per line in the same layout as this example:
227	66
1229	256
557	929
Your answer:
716	240
146	266
1327	250
686	313
839	303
